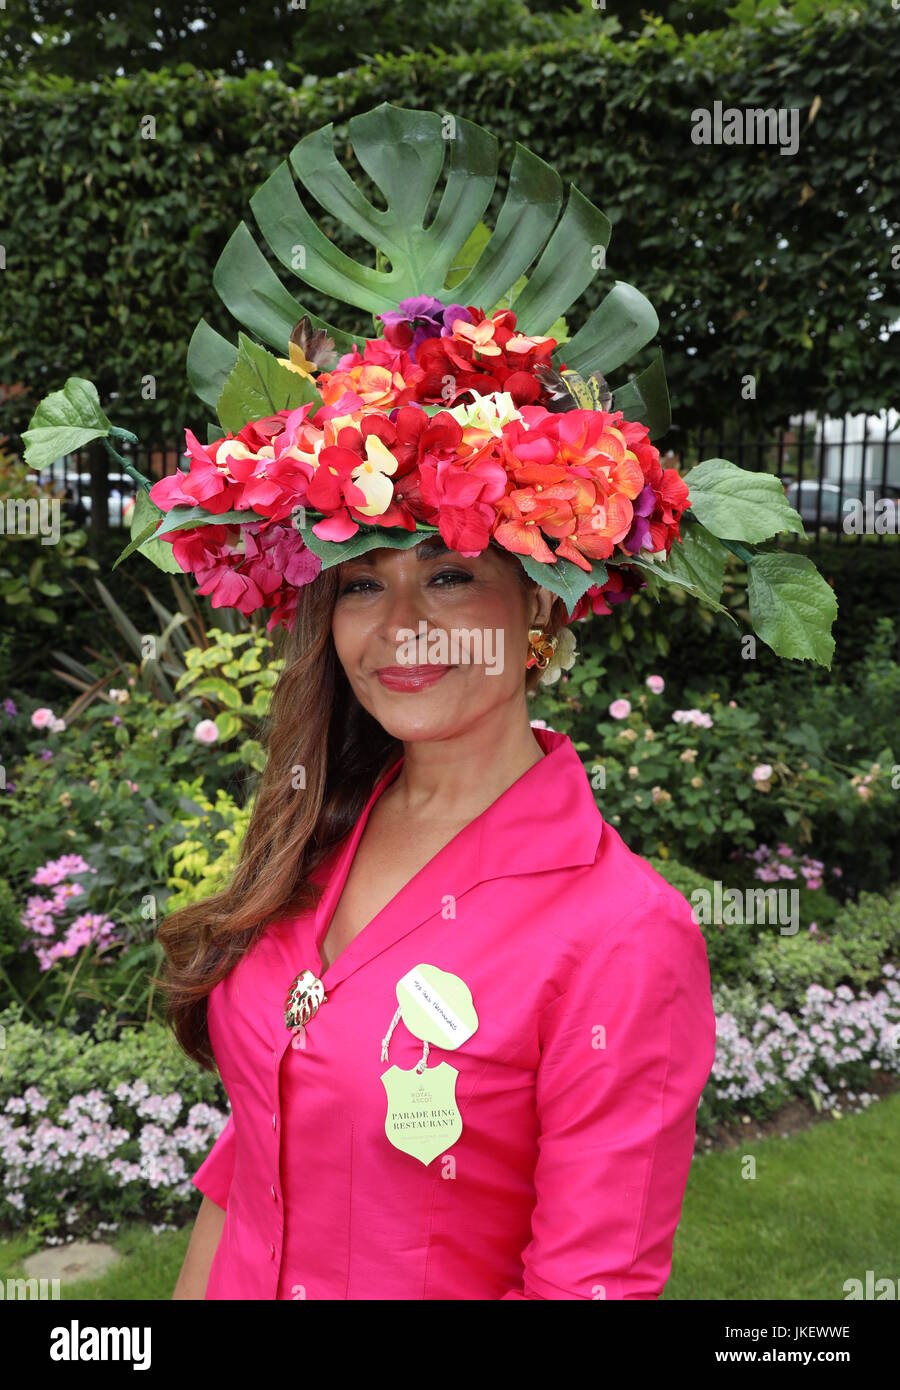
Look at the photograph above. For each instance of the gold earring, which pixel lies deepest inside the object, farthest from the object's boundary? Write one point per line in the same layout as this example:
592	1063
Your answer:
540	648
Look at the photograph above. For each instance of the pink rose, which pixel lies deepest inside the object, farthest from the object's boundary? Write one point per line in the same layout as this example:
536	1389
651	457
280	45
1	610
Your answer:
206	731
656	684
762	772
620	709
42	717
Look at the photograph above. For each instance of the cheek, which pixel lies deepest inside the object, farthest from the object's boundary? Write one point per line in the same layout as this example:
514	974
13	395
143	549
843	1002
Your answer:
349	635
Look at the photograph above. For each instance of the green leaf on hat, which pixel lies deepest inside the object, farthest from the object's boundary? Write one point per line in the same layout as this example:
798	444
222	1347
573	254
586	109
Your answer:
543	260
792	608
700	560
186	518
370	538
564	578
259	385
64	421
145	520
738	505
664	573
645	398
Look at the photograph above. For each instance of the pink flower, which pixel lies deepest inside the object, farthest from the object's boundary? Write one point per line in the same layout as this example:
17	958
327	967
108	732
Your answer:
692	716
656	684
206	731
620	709
42	717
762	772
58	869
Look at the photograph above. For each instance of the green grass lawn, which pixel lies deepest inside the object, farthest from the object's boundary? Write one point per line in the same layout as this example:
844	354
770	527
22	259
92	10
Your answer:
821	1209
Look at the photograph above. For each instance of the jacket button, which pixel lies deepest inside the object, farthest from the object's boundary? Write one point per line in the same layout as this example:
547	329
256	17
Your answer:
271	1252
274	1195
273	1121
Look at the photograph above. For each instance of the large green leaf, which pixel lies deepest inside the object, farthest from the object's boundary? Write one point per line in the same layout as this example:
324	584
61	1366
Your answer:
259	385
623	323
738	505
64	421
700	560
792	608
404	153
645	398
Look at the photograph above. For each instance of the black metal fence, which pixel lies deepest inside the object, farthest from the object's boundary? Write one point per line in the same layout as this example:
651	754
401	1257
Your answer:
842	475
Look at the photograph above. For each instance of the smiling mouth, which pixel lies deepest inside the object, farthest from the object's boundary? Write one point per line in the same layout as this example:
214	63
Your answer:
410	677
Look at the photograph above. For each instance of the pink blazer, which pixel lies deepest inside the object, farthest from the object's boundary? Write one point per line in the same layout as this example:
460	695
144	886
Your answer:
578	1091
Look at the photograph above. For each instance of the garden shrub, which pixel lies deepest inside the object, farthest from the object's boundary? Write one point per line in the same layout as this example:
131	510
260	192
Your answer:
862	938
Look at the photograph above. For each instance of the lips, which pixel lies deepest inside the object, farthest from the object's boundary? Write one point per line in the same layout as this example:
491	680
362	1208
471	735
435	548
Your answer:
410	677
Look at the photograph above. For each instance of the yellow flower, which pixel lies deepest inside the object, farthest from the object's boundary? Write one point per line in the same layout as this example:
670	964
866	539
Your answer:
488	413
297	362
371	477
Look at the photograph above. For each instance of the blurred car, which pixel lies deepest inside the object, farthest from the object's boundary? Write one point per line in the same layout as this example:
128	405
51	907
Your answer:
833	509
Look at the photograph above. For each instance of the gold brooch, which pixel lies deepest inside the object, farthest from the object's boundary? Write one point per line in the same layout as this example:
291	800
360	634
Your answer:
303	999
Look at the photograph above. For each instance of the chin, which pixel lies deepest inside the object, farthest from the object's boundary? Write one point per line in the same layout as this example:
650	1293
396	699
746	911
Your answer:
418	725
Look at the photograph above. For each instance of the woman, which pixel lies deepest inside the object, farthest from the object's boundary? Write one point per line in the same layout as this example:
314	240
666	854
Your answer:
416	830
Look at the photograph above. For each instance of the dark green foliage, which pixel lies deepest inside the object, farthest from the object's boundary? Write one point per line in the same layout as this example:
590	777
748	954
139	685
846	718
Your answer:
758	263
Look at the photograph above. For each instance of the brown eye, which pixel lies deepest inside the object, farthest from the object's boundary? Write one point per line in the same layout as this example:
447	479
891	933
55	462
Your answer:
453	576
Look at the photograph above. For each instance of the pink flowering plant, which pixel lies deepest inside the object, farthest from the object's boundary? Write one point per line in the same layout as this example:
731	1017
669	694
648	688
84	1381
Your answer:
54	927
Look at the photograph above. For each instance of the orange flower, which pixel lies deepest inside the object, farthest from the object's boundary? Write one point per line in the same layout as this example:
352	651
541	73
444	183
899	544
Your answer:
597	533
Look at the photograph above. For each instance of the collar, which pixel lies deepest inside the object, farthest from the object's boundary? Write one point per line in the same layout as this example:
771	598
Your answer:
547	819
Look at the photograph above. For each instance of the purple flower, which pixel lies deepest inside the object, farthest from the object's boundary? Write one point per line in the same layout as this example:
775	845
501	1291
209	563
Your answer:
419	318
10	709
638	537
46	755
116	719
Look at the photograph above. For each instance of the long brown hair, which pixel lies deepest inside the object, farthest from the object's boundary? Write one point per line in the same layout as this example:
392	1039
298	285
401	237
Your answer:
319	738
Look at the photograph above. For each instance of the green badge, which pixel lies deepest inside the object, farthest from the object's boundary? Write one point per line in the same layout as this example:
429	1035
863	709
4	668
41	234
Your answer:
423	1118
436	1006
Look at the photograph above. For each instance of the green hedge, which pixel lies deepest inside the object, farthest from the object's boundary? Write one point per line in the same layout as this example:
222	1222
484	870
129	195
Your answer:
759	263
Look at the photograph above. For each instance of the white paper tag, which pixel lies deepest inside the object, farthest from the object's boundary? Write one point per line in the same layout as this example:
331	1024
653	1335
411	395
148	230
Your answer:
432	1015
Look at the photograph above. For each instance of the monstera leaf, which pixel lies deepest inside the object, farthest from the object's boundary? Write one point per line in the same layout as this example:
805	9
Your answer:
404	152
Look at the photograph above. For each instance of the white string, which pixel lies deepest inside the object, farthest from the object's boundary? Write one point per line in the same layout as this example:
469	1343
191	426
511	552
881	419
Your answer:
385	1042
387	1038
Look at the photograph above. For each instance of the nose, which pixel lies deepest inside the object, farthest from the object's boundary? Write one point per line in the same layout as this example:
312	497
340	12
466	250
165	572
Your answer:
404	609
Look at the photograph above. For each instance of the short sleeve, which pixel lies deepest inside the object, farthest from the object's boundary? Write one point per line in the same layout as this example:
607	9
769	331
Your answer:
213	1177
626	1051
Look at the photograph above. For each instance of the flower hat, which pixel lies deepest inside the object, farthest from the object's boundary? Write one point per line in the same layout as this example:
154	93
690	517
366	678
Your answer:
470	411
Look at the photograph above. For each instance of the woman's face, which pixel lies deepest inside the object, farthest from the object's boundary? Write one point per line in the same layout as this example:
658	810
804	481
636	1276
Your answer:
432	641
